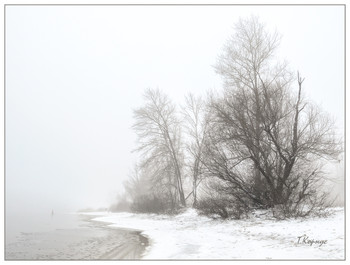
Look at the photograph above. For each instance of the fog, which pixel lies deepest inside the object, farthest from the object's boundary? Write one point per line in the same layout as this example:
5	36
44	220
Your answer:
74	74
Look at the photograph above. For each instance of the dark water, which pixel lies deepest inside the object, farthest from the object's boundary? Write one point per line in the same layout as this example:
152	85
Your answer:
68	237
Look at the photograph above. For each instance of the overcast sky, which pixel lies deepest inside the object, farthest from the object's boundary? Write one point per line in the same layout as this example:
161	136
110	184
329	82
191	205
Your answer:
74	74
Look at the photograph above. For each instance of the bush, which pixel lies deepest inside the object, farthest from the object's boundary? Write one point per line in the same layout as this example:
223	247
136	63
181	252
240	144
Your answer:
149	204
121	206
211	207
313	205
223	207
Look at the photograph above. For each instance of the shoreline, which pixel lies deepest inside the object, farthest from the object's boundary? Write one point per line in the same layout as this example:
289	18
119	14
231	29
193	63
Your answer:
127	250
82	239
192	236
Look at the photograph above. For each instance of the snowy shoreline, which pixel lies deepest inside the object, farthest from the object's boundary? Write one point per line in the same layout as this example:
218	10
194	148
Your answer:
192	236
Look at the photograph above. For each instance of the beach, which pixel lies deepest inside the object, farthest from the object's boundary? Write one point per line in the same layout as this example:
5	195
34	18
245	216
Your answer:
85	240
190	235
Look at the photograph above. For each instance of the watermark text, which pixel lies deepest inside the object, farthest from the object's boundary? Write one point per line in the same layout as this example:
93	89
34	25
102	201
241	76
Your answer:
305	240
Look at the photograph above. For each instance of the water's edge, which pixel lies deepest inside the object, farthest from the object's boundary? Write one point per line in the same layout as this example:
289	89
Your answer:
88	240
128	250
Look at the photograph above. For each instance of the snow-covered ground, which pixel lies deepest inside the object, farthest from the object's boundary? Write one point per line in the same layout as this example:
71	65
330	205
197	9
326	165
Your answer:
192	236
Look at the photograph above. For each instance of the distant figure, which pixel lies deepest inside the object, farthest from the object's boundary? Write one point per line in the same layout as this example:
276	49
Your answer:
52	213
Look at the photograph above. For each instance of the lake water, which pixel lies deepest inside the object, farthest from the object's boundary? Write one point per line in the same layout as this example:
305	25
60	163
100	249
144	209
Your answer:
68	237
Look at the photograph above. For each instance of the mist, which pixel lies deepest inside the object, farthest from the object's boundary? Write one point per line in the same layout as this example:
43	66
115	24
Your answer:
74	74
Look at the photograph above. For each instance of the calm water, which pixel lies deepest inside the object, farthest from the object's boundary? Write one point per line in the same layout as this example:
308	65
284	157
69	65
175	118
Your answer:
19	224
68	237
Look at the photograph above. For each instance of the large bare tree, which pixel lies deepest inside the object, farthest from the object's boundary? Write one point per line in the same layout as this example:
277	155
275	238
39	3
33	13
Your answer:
159	141
247	59
266	139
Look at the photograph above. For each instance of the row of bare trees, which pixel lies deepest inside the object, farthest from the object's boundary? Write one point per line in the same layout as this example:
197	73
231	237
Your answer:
256	144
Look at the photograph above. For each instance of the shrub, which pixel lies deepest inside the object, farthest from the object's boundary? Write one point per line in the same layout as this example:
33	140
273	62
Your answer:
314	204
222	206
149	204
212	206
120	206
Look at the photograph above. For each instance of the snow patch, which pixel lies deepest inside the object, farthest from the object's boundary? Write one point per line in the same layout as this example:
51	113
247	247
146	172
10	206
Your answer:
192	236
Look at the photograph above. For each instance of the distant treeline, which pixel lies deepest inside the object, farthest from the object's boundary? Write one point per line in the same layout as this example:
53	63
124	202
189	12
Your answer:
86	210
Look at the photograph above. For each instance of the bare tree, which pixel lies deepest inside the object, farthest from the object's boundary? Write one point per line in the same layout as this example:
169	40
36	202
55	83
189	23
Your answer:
196	126
263	133
159	140
247	59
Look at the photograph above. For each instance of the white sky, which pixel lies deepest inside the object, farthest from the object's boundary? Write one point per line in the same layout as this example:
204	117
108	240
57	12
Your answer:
75	73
